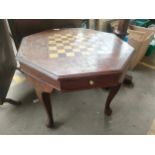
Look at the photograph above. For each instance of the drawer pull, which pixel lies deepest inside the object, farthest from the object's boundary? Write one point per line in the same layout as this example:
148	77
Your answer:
91	82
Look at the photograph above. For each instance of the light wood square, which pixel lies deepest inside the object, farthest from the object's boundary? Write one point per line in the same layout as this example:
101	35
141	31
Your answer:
85	53
67	47
51	48
70	54
53	55
61	51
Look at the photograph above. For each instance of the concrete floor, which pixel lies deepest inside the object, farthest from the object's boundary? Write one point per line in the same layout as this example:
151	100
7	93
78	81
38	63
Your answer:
82	112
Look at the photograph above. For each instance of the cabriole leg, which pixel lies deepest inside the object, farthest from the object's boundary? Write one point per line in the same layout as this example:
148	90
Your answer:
111	95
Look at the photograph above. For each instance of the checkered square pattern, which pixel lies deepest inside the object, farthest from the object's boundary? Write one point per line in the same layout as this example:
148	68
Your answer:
70	45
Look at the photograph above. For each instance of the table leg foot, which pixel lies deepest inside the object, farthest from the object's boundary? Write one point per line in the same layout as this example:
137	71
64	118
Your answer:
128	80
44	97
50	123
111	95
11	101
108	111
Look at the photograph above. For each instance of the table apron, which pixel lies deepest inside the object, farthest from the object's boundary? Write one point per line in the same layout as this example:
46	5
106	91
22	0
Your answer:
90	82
38	76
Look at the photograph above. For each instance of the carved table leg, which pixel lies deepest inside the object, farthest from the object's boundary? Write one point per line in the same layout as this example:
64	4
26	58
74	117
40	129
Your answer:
44	98
111	95
43	91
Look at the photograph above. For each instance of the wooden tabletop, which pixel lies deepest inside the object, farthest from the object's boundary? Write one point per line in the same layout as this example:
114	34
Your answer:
74	52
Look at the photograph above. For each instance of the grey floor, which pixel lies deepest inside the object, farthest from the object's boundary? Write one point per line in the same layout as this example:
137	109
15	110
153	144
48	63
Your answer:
81	112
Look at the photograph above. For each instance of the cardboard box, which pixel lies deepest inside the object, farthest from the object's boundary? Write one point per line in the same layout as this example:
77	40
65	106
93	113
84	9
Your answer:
140	39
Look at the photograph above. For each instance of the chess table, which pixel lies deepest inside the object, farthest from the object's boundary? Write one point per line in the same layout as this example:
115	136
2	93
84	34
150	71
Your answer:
74	59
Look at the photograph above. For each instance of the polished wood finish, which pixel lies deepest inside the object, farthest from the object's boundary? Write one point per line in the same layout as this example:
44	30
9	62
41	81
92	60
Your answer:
43	92
113	92
74	59
121	32
24	27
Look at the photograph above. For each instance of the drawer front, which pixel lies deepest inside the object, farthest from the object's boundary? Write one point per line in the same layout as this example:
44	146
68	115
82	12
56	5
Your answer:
90	82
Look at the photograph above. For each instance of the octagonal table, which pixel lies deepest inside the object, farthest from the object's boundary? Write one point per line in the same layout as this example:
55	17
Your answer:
74	59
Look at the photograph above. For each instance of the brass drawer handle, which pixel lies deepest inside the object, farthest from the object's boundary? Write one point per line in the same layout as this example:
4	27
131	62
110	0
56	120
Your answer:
91	82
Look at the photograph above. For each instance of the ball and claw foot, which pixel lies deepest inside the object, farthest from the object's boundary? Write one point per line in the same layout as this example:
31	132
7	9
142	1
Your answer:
108	111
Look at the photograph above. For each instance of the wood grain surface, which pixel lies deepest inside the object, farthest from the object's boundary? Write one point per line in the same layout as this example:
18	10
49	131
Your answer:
76	51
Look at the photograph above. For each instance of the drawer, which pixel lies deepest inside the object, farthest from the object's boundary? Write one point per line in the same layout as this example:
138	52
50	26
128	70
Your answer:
99	81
